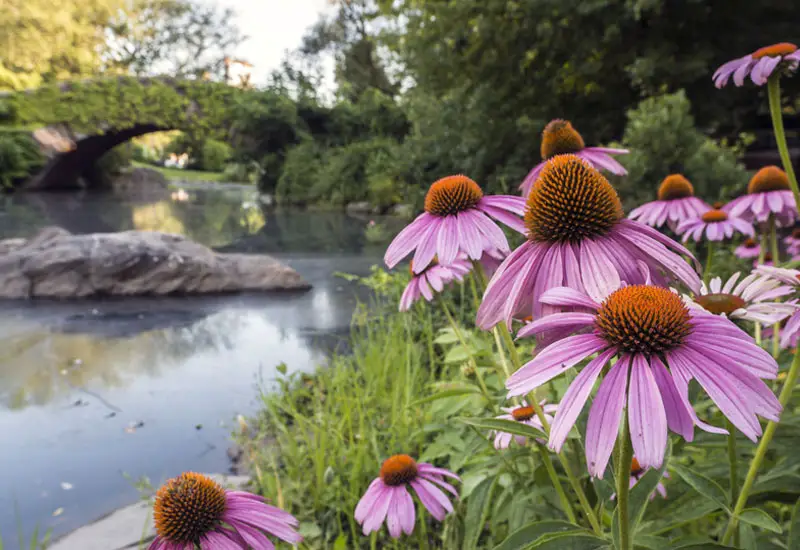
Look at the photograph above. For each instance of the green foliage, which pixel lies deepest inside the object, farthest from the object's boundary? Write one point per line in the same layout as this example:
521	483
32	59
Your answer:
301	169
343	178
90	107
19	157
213	155
111	165
663	139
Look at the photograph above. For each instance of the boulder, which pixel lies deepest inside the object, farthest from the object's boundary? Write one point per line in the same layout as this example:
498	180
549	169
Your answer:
57	264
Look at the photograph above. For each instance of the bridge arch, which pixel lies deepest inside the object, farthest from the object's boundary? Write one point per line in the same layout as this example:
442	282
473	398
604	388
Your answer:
80	121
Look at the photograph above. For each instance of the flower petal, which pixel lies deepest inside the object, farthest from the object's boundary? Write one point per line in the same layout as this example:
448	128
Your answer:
604	416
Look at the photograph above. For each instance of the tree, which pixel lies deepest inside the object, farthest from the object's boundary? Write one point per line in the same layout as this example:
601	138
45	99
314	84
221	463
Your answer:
352	40
46	40
181	38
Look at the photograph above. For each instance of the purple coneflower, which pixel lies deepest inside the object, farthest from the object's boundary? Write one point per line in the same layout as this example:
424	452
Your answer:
767	193
560	138
388	498
676	203
525	414
660	345
753	299
790	277
759	65
577	237
433	279
717	225
637	473
748	249
457	218
792	242
193	510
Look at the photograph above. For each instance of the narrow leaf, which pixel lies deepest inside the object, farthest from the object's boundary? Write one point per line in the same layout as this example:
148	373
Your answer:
794	528
478	507
573	540
508	426
702	484
522	537
447	393
760	518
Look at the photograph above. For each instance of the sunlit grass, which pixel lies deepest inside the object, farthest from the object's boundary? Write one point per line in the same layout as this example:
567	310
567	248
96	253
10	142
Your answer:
177	174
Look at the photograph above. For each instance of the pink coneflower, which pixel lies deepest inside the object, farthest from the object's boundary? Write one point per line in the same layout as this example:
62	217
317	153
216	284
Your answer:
388	498
790	277
767	193
560	138
716	224
433	279
457	218
193	510
577	236
525	414
676	203
792	242
753	299
759	65
748	249
660	345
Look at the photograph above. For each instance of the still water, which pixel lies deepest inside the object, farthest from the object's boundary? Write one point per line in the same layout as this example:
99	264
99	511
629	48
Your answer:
97	394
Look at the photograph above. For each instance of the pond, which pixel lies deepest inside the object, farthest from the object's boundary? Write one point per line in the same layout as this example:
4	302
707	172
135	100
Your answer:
95	395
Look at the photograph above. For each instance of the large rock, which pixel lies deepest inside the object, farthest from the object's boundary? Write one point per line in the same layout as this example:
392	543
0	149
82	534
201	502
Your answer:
57	264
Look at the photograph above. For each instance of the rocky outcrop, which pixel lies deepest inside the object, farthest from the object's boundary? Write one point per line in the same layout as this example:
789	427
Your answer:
57	264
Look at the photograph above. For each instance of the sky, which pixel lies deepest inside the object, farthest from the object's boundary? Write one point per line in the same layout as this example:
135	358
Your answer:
273	27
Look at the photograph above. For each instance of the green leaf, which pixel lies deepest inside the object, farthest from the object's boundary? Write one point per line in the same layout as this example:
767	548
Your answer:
747	537
760	518
478	507
794	528
703	485
447	393
523	536
446	336
457	355
640	494
650	542
509	426
692	511
702	546
339	544
572	540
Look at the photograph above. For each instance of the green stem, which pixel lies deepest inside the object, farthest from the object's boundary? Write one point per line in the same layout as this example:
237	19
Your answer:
733	467
624	460
709	261
573	480
761	450
774	95
463	343
551	471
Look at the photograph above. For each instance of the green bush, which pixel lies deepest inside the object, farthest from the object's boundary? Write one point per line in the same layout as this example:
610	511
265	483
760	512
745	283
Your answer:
301	169
213	155
663	139
19	157
345	176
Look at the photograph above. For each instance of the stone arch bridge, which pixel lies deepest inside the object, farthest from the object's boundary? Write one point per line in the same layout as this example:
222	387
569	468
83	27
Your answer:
79	121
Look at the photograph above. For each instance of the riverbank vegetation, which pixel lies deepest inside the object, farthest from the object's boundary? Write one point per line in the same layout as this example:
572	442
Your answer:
416	97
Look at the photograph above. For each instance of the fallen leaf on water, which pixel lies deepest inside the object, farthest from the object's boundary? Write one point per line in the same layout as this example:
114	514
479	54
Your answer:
58	512
66	486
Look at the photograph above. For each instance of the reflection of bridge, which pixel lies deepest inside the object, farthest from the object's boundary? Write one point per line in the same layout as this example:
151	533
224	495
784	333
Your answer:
82	120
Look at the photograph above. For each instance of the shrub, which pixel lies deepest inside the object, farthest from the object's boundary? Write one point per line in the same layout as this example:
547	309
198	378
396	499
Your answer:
213	155
300	172
662	137
345	177
19	157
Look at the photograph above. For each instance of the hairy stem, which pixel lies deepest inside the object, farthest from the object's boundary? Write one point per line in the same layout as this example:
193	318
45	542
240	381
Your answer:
774	94
624	460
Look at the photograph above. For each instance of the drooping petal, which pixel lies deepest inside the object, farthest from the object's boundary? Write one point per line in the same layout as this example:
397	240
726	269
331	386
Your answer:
447	240
568	297
407	240
427	246
575	398
552	361
604	416
679	419
646	416
556	320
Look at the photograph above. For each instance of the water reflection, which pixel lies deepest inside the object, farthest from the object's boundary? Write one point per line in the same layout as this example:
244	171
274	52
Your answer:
76	376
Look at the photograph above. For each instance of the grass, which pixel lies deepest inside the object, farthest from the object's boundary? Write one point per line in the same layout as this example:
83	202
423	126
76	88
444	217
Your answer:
176	174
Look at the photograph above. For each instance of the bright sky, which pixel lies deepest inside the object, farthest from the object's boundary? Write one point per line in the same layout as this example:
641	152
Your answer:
273	27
